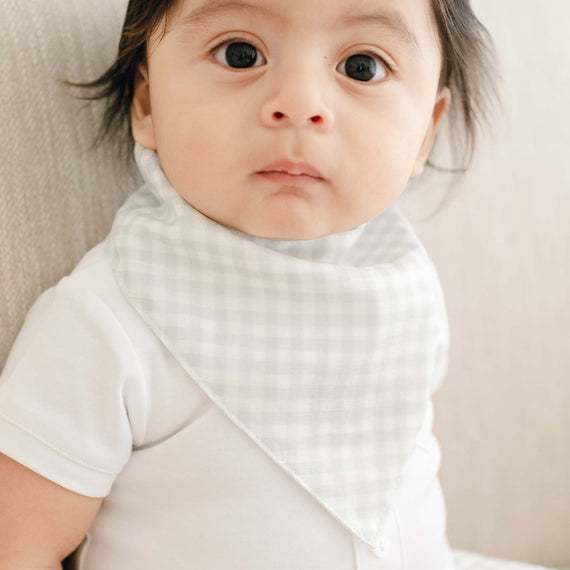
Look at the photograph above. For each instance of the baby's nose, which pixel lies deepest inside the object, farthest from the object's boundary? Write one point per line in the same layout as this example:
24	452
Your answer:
298	101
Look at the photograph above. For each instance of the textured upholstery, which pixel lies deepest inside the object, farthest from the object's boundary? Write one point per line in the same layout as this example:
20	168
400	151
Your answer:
501	247
58	196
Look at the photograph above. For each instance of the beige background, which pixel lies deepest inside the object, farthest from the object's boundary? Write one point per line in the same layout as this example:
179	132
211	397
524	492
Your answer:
502	248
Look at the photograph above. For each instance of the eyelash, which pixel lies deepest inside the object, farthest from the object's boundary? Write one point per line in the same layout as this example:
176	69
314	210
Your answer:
373	54
229	41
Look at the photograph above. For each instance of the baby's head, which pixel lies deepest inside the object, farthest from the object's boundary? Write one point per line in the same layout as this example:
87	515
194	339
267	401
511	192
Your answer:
297	119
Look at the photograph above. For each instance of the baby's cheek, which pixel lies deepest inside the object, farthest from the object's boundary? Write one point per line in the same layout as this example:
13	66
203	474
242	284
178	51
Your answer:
385	181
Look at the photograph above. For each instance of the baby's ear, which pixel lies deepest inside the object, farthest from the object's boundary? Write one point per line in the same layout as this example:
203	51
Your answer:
141	115
442	103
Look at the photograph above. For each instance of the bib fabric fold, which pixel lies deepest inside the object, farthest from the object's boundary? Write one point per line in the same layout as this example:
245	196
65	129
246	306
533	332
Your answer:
322	351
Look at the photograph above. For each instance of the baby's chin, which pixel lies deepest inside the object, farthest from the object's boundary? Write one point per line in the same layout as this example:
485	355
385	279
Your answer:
298	229
284	218
286	231
291	229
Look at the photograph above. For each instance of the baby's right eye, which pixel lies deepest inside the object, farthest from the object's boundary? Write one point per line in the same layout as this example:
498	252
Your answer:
238	55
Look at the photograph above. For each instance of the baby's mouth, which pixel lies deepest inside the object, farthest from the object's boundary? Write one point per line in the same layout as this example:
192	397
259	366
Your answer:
291	173
289	179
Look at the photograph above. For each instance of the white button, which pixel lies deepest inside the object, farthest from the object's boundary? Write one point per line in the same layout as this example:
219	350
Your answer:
382	547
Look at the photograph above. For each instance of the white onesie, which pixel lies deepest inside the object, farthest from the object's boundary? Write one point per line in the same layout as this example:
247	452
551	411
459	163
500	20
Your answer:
113	412
97	396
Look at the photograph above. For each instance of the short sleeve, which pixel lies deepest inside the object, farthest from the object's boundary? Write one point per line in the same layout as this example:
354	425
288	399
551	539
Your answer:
68	393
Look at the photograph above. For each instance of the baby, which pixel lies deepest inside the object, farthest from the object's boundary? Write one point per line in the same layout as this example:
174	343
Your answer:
240	376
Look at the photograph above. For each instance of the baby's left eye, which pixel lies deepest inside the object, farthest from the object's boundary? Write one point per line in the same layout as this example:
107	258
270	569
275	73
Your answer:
363	67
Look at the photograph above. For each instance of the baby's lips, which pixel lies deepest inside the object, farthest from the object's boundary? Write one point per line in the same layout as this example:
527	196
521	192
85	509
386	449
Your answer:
292	167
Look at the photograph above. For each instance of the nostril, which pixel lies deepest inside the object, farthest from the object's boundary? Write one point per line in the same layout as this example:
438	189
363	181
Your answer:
315	119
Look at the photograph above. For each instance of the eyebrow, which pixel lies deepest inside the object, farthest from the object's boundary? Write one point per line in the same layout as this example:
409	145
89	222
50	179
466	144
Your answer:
211	8
390	20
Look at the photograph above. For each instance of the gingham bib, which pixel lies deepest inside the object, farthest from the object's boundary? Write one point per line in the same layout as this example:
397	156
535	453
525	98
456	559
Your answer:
322	351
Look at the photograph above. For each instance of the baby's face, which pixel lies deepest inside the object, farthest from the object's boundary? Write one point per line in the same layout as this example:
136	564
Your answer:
292	120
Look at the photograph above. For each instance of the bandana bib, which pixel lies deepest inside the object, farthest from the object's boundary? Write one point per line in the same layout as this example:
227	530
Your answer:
321	351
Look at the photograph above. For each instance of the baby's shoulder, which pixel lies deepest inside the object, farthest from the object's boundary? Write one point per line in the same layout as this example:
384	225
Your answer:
91	283
92	276
88	300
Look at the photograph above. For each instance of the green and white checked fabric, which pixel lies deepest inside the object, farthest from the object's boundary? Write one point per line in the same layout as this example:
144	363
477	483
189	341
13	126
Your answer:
323	351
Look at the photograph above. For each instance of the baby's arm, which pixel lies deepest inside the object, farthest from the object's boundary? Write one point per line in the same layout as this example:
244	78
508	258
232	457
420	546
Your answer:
40	522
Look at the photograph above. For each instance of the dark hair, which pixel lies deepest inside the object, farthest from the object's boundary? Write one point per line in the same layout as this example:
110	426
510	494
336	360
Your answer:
116	85
468	69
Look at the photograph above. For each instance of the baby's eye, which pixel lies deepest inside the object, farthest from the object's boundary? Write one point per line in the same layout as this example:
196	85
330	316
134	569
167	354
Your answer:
239	55
363	67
